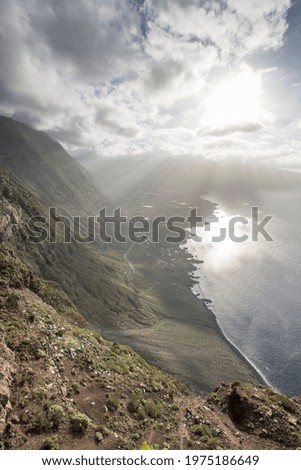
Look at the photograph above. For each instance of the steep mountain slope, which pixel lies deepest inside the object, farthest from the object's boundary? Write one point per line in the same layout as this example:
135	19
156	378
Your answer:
96	281
54	177
134	307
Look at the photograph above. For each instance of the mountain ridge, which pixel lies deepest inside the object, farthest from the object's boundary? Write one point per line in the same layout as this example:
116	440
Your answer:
27	153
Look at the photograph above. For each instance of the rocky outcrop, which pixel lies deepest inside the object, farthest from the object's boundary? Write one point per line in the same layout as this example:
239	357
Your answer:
6	376
261	411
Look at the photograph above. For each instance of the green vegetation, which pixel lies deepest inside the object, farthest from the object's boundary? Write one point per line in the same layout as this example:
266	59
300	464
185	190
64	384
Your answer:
62	377
205	433
103	430
51	443
285	402
153	409
98	437
202	430
112	403
79	423
145	446
39	424
142	408
56	416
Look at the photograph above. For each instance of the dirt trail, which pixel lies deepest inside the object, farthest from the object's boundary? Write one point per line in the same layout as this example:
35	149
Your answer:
225	425
183	432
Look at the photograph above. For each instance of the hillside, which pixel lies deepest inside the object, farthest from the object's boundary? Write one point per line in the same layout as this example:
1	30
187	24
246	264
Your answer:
96	281
55	178
131	308
63	386
151	309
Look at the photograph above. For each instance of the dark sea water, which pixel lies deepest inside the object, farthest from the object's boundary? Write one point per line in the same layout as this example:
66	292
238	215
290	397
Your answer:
256	287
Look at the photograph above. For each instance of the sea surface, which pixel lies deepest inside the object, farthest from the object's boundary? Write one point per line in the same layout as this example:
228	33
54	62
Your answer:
255	286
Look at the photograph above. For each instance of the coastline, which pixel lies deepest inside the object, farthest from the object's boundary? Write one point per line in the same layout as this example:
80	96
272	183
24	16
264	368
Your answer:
206	302
231	343
183	337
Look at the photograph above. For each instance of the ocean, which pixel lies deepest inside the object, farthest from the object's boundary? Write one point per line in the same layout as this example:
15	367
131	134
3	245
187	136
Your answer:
255	286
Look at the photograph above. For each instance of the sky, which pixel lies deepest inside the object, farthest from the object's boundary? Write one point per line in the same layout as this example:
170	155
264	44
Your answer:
214	79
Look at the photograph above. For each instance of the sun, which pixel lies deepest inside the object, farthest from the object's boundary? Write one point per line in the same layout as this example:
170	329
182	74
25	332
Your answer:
235	101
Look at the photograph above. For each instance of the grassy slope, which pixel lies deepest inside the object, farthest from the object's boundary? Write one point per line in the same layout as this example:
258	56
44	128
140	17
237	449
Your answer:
185	337
64	386
111	297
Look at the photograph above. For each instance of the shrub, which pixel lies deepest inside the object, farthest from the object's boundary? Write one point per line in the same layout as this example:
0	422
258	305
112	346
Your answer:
141	413
75	388
98	437
153	409
212	443
39	423
133	405
79	423
51	443
202	430
103	430
56	415
112	403
145	446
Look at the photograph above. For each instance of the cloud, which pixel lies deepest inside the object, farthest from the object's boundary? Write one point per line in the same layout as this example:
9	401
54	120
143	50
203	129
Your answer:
121	77
247	127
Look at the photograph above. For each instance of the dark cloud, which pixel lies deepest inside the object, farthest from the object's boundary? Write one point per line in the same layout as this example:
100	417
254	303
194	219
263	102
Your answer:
109	119
247	127
97	40
161	75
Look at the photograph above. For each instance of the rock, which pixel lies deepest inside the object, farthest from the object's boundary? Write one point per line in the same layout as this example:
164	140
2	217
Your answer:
6	371
4	394
216	432
15	419
64	390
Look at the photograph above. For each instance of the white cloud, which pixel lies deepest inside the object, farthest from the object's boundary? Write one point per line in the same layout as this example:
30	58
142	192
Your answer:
128	77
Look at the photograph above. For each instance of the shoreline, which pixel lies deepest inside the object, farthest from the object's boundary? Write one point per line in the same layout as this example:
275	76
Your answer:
236	349
184	337
206	302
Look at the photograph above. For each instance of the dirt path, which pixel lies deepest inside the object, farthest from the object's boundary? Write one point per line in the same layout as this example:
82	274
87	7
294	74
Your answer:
225	425
183	432
150	437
